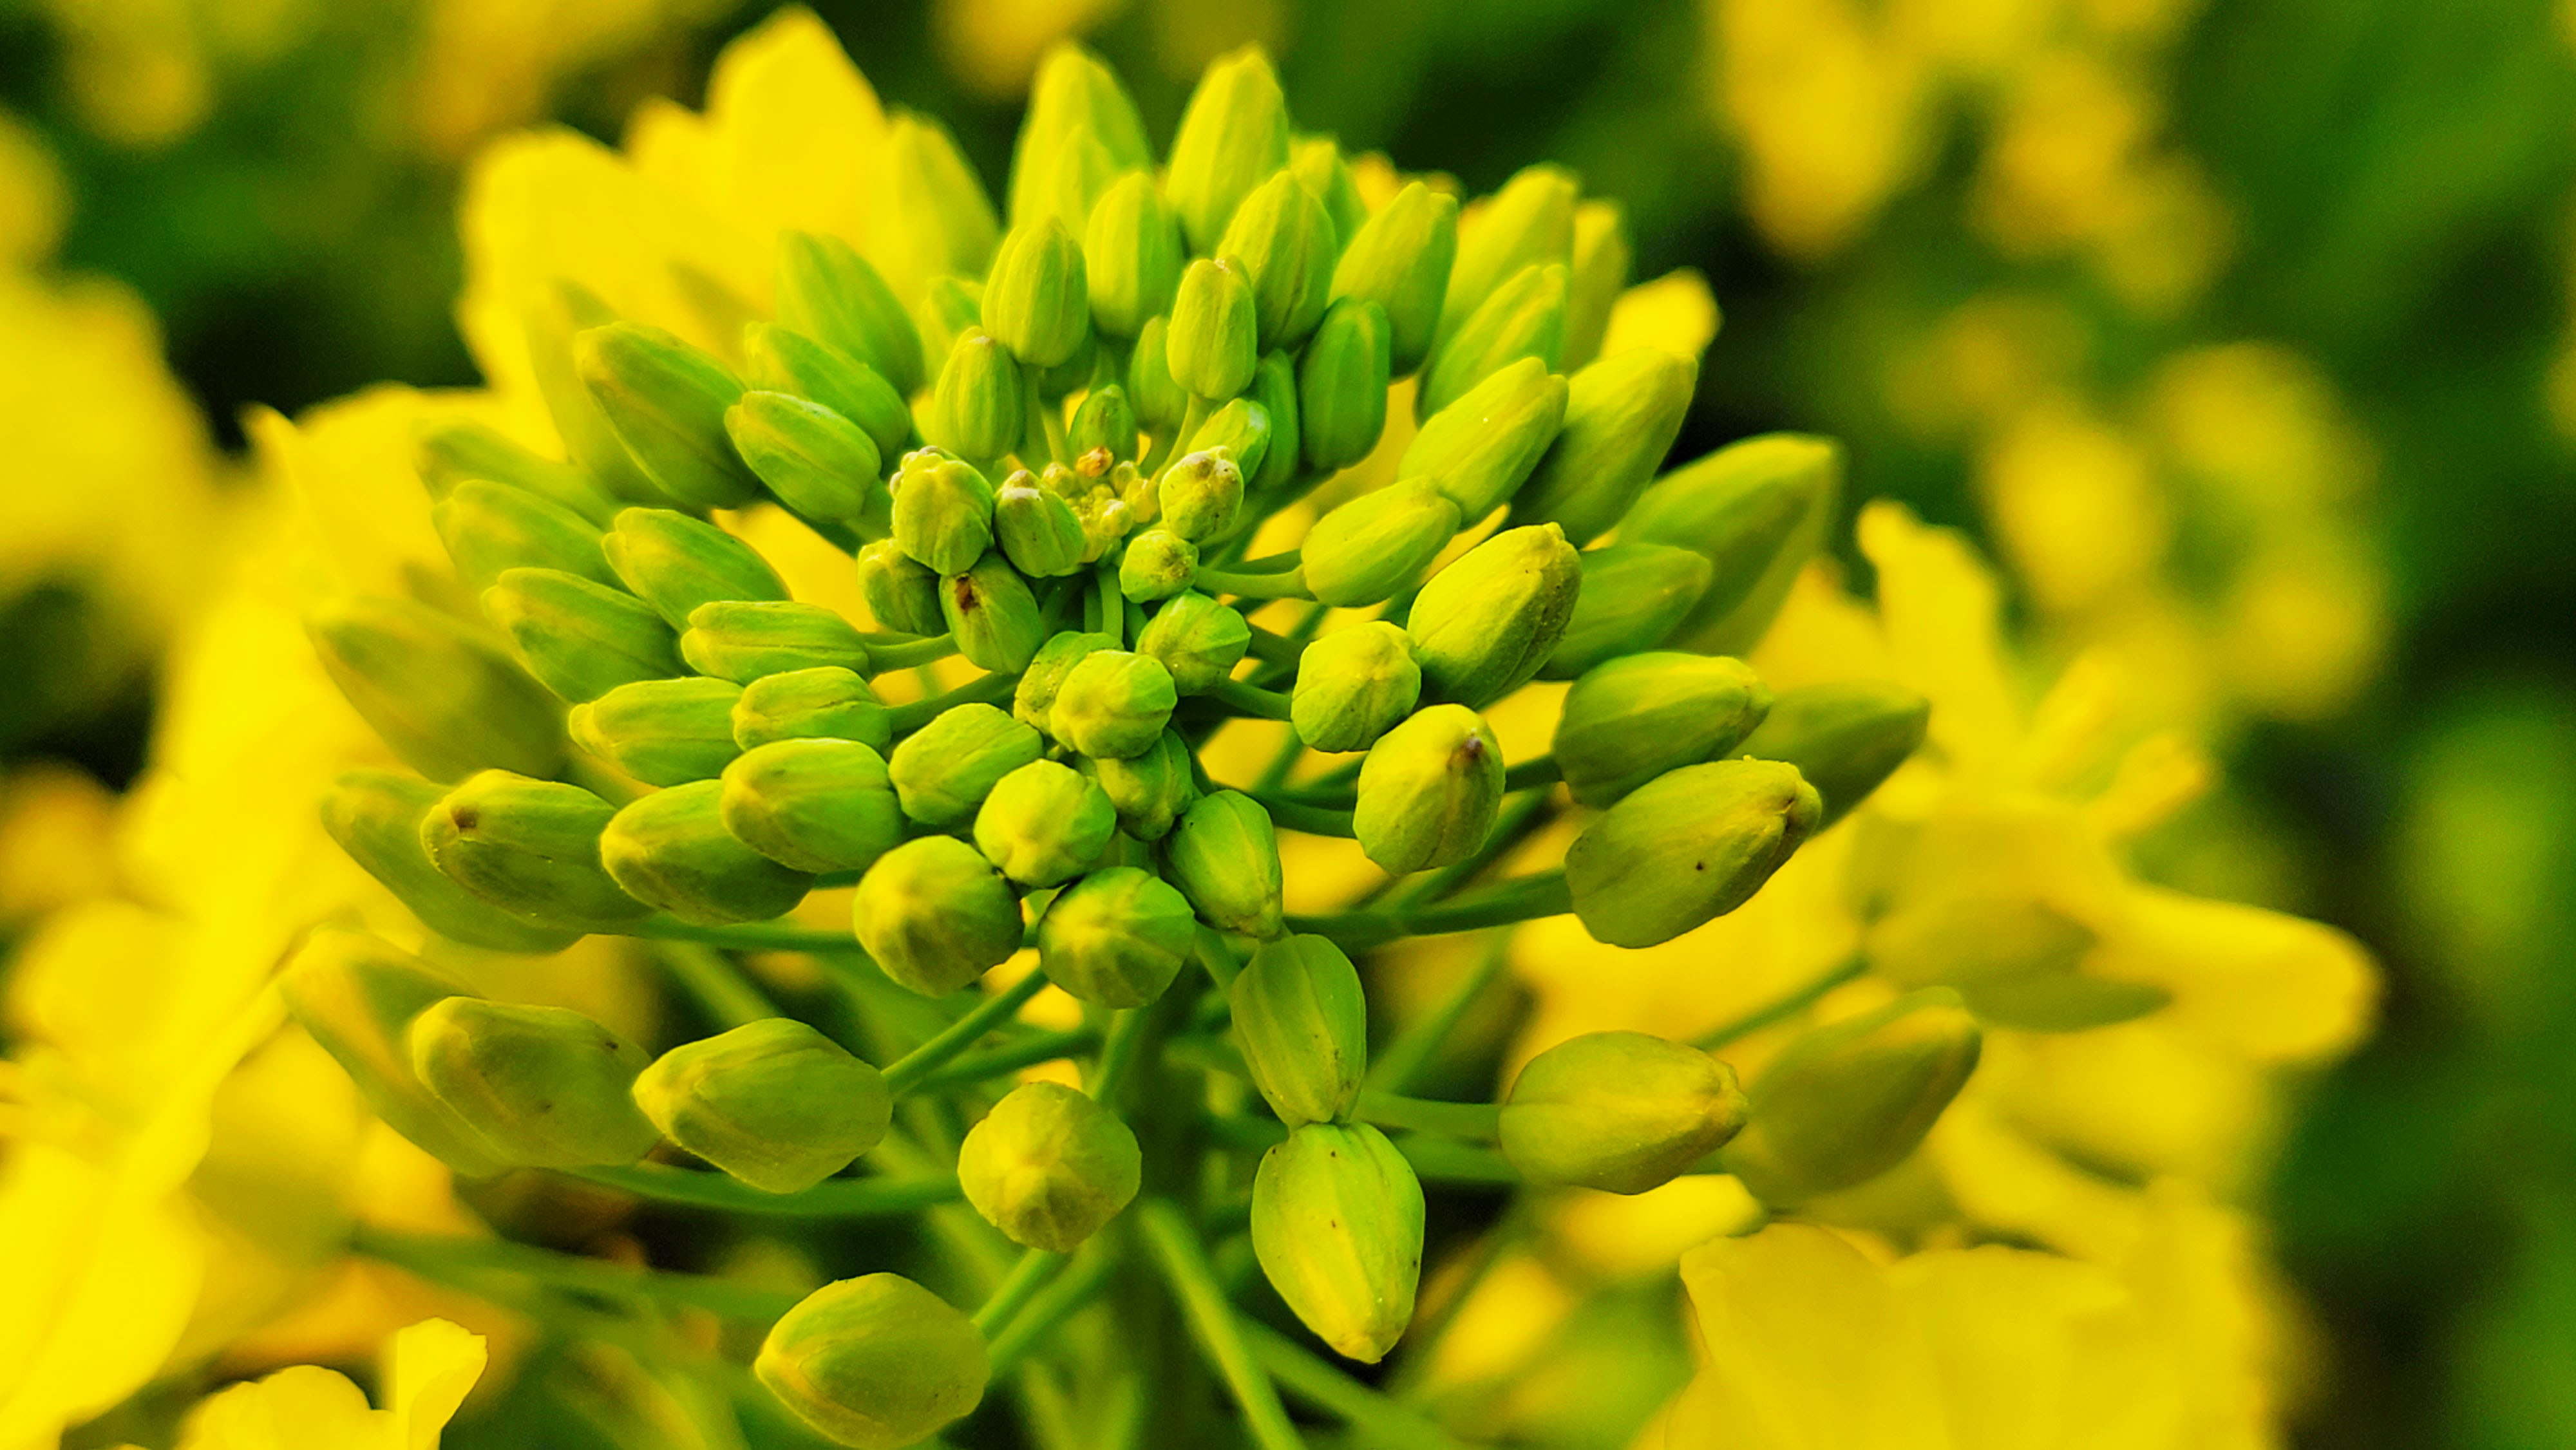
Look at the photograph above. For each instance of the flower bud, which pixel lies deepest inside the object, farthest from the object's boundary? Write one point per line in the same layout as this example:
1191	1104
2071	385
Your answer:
671	850
876	1362
743	640
1376	546
1200	494
901	591
1073	92
828	292
1285	242
993	615
1044	824
948	221
783	360
1530	221
1849	1100
375	815
1274	387
1621	416
662	732
1239	431
1758	509
1033	700
943	771
1233	135
943	513
1318	162
667	400
815	461
1632	596
1400	259
1429	791
1199	640
530	847
1113	704
828	702
447	702
1619	1111
812	805
581	640
976	410
1352	685
1149	791
1525	318
1159	398
544	1086
1104	427
448	452
1157	565
1117	937
1131	253
1630	720
552	318
1036	300
1687	847
1048	1166
1038	531
1341	385
1600	271
356	995
1483	446
950	308
1214	340
488	527
1337	1228
773	1102
936	915
1302	1022
1845	737
676	563
1225	858
1483	625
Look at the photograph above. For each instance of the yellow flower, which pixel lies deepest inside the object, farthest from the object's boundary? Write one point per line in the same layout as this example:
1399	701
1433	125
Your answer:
429	1368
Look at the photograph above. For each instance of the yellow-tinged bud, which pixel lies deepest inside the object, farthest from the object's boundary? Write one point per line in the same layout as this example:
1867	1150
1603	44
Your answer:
1525	318
1352	685
943	771
488	527
1284	239
1318	162
1619	1111
1530	221
671	850
1201	494
1233	136
1037	300
1199	640
1687	847
356	995
1341	385
744	640
662	732
1845	737
1600	269
774	1103
902	592
544	1086
936	915
376	815
1621	416
1630	720
1214	340
812	805
992	615
1038	530
1849	1100
667	400
448	452
553	317
1131	253
676	563
828	292
815	461
1482	447
827	702
530	847
1073	92
1103	429
1224	856
1033	701
1302	1022
1633	595
1376	546
943	513
1482	627
1337	1228
950	308
1240	431
1048	1166
1274	387
1429	791
947	218
1149	791
432	688
1400	259
1113	704
1044	824
1758	509
1159	397
784	360
976	411
1157	565
875	1363
581	640
1117	937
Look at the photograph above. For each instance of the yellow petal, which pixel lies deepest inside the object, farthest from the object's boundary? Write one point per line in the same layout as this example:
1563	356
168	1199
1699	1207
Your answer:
1939	603
434	1363
1806	1348
802	134
2268	985
1675	312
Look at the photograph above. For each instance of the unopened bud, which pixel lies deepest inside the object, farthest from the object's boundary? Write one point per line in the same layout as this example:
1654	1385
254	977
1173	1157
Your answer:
812	805
1525	318
1036	301
1048	1166
546	1087
432	688
1224	856
1113	704
1285	242
1157	565
1400	259
1845	737
488	527
1482	447
936	915
744	640
1429	791
1758	509
1239	431
1302	1022
552	318
943	513
581	640
947	219
530	847
1337	1228
1033	701
1482	627
828	702
976	410
1621	416
1274	387
1149	791
1117	937
1376	546
1201	494
773	1102
1849	1100
1600	270
950	308
1103	429
875	1363
943	771
1073	93
815	461
783	360
1038	530
828	292
375	816
1044	824
901	591
448	452
1529	222
676	563
667	400
662	732
1214	341
671	850
1233	136
1630	720
357	995
1199	640
1687	847
1159	398
1131	255
1633	595
1619	1111
992	615
1318	162
1353	685
1341	385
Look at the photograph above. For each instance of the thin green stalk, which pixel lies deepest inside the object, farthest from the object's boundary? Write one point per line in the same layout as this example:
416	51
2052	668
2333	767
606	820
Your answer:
1049	1307
1474	1121
1523	898
1277	648
1178	1253
1298	816
986	689
1394	1068
1113	606
1119	1047
757	936
1445	1160
1217	958
1244	699
1287	584
715	984
1032	1273
1782	1008
1037	1047
1516	824
571	1272
910	654
1312	1379
1538	770
907	1072
831	1198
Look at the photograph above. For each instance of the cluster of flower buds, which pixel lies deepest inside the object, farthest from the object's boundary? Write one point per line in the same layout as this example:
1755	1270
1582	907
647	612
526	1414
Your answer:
1055	465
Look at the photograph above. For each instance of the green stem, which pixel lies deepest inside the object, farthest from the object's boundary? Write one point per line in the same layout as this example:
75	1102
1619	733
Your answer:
1279	563
1032	1273
1312	1379
831	1198
718	988
907	1071
1119	1047
1049	1307
1217	958
1299	816
1522	898
1536	771
433	1252
1474	1121
1274	647
1394	1069
1178	1254
911	654
758	936
1037	1047
1290	584
1782	1008
1251	700
1514	826
1445	1160
1113	606
907	718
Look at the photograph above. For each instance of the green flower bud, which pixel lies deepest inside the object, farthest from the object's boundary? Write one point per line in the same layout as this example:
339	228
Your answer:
1845	738
1199	640
1225	858
950	308
1400	259
662	732
1621	416
1044	824
1285	242
552	317
1157	565
676	563
1038	530
1529	222
1037	301
1633	595
1337	1228
943	771
742	640
1483	446
773	1102
1318	163
357	995
876	1363
1341	385
1849	1100
1113	704
1241	430
1117	937
1525	318
1302	1022
1483	625
936	915
817	462
827	702
976	411
671	850
1213	342
1149	791
1686	848
1600	271
812	805
1131	255
448	452
447	702
375	815
1619	1111
1104	426
1634	718
947	218
1352	685
1274	387
1758	509
993	615
1200	494
1429	791
544	1086
1376	546
828	292
581	640
783	360
1049	1167
667	400
1159	398
943	513
489	527
902	592
1073	93
529	847
1233	136
1033	702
